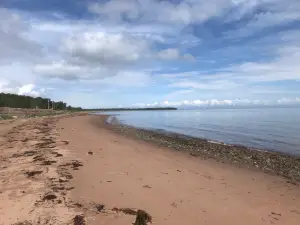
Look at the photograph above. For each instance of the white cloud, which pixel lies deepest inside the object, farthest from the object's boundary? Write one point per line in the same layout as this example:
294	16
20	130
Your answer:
174	54
127	79
180	75
284	66
95	55
189	57
59	70
185	12
220	103
205	85
271	13
169	54
109	50
27	89
14	43
100	54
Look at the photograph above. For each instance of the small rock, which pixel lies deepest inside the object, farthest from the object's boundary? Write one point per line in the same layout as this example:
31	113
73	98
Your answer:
142	218
79	220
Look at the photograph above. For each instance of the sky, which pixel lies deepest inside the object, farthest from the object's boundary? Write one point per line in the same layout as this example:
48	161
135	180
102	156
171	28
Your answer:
137	53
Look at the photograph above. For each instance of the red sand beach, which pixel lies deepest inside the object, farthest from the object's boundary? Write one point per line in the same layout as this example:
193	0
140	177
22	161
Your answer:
59	168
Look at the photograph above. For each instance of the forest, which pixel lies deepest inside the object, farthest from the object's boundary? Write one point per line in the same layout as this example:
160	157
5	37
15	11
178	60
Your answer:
28	102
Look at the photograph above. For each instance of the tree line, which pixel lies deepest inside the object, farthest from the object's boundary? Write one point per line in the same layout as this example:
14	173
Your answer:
28	102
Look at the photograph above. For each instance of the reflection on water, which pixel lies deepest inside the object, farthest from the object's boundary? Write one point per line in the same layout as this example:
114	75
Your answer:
266	128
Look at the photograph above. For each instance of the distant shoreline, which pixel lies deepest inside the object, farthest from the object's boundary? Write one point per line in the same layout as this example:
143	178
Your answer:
130	109
268	161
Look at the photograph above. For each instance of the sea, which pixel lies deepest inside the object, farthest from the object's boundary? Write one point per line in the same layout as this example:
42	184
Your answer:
273	129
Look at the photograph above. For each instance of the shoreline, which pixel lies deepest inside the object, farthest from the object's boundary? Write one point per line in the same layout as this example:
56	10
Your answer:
78	170
115	121
273	162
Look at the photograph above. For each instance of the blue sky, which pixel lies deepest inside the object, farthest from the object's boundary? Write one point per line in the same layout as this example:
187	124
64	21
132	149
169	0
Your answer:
152	52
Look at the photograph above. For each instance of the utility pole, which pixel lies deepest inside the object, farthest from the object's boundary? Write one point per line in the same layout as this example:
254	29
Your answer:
48	104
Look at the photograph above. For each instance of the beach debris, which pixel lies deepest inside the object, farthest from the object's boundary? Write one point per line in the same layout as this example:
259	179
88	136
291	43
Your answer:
65	177
99	207
33	173
25	140
146	186
295	211
74	164
292	182
23	223
65	142
90	153
127	211
63	180
79	205
58	188
70	188
39	158
26	153
46	143
48	162
49	197
276	214
79	220
57	154
174	205
142	218
178	170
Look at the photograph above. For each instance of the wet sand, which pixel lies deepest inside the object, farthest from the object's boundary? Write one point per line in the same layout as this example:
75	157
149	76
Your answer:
96	173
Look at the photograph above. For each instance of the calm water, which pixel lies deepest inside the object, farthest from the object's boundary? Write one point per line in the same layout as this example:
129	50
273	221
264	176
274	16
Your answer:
275	129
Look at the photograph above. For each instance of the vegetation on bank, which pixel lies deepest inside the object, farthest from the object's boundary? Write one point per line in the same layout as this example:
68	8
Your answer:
5	117
28	102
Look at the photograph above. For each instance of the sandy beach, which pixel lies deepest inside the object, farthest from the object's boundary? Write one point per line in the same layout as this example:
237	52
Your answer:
74	170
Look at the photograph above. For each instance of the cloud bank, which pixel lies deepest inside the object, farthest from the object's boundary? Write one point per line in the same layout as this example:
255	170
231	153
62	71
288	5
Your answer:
120	52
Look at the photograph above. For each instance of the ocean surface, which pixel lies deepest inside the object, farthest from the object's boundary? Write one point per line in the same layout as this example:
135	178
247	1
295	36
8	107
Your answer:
275	129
